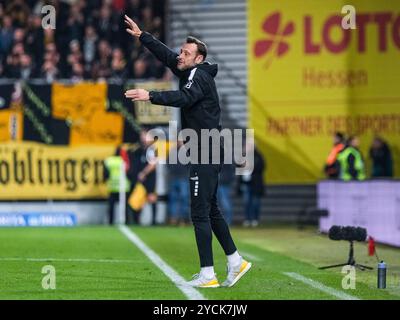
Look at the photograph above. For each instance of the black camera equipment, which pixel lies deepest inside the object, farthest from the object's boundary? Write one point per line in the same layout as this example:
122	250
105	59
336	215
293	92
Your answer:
350	234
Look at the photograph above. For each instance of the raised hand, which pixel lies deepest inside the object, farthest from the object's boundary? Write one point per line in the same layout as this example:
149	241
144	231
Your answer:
133	28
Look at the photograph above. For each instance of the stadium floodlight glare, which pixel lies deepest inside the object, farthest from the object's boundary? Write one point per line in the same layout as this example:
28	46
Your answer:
350	234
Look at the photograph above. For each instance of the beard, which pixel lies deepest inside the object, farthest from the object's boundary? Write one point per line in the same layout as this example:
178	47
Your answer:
183	67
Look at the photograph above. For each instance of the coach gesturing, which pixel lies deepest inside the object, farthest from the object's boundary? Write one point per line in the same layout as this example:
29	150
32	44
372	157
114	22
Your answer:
198	99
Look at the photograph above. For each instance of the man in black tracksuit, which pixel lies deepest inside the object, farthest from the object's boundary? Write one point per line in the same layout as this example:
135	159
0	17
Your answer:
198	99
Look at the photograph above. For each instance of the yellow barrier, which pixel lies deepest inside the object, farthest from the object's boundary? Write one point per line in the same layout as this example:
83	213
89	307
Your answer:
37	171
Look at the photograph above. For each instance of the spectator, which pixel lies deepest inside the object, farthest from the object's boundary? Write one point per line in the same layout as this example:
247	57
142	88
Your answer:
19	12
143	171
133	52
141	69
157	27
178	193
75	50
11	69
6	36
147	19
112	175
78	72
49	71
332	167
35	35
26	67
118	65
18	49
19	36
75	61
89	44
91	7
133	10
252	185
226	179
108	25
351	161
51	53
155	68
77	20
35	39
102	66
13	61
381	156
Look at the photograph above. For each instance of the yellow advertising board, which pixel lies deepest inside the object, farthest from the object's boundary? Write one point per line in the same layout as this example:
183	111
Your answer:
38	171
83	106
148	113
310	76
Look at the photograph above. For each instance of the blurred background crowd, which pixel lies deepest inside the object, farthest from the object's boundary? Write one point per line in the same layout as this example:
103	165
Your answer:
346	161
89	41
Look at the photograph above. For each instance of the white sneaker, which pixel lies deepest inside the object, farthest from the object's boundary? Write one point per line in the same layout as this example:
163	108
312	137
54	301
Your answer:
246	223
254	223
235	273
200	281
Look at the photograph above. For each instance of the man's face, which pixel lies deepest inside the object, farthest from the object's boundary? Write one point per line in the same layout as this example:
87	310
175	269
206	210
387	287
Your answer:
146	138
355	142
377	143
189	56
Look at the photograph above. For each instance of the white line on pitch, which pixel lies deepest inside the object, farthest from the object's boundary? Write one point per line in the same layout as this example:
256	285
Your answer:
67	260
250	256
177	279
317	285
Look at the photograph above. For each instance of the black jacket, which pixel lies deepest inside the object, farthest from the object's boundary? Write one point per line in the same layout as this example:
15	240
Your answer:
197	95
382	163
257	177
256	183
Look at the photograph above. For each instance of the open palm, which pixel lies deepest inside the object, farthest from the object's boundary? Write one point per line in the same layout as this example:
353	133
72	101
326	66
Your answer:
133	28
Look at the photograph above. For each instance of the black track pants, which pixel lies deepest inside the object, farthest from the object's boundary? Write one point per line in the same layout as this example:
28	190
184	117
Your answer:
205	213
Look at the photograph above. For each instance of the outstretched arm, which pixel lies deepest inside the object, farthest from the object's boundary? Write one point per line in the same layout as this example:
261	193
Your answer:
185	97
156	47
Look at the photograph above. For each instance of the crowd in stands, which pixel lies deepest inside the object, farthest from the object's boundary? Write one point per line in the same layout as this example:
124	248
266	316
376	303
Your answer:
89	41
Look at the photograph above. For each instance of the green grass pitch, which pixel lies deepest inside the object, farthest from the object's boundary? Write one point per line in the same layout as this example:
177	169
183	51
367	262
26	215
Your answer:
101	263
